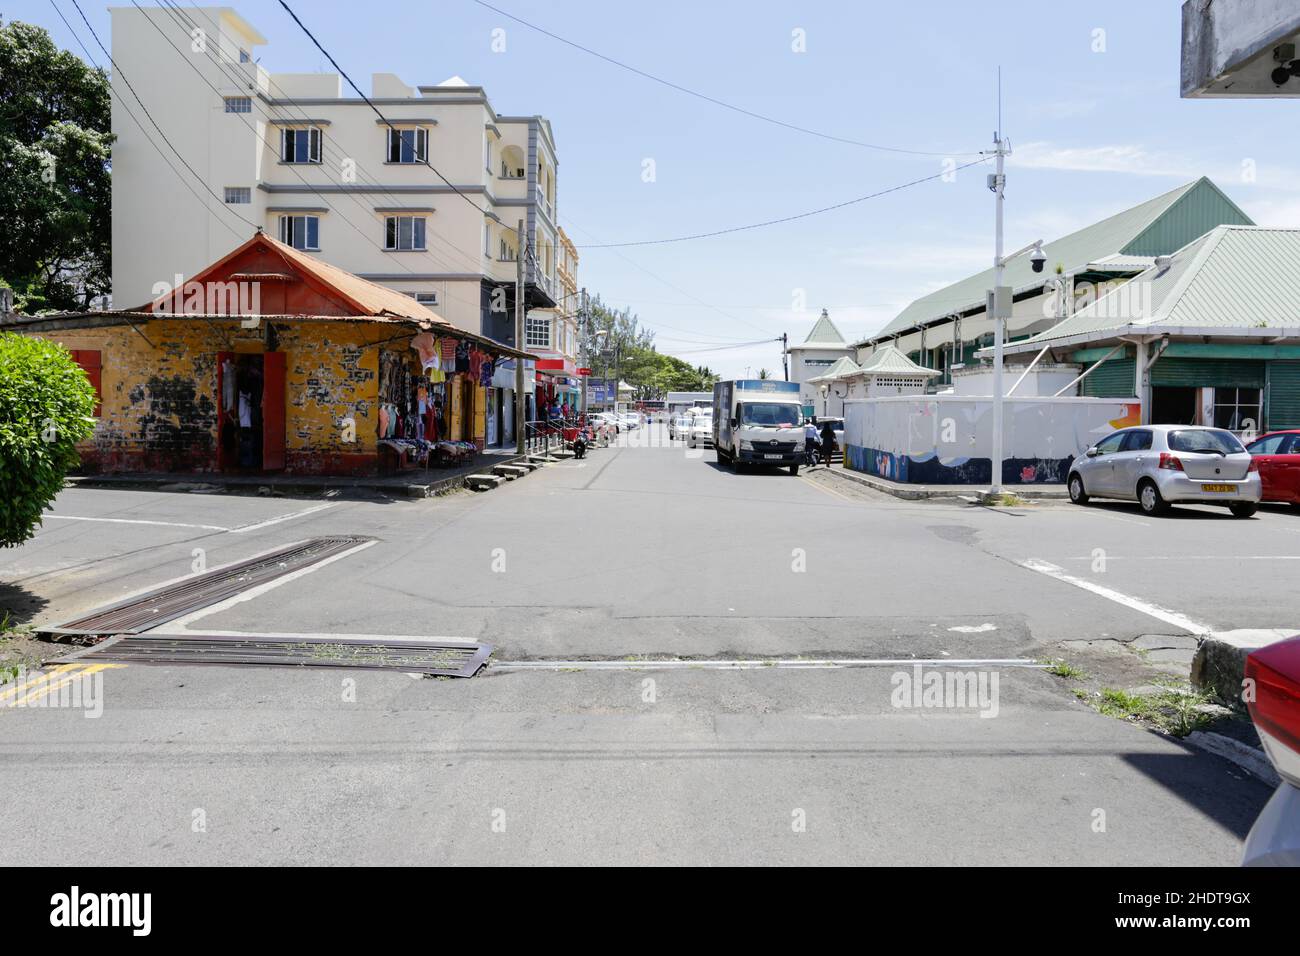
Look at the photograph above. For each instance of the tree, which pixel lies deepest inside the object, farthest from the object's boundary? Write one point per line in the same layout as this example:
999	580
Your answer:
55	197
46	403
764	373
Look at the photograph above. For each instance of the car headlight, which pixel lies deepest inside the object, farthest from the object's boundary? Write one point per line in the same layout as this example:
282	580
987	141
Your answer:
746	445
798	446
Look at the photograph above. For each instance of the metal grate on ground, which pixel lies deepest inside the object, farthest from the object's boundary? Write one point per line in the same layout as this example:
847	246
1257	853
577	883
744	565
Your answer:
432	658
148	610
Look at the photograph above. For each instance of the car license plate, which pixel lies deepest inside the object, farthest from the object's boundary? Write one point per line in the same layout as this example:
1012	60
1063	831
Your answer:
1228	488
774	456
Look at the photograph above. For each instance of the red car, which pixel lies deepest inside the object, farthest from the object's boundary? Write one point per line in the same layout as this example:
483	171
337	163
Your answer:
1278	457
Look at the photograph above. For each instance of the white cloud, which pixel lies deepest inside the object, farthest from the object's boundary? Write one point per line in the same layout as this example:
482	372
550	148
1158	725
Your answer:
1130	158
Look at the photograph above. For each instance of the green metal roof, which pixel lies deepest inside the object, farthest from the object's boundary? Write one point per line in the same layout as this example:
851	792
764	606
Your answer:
843	366
1233	277
888	360
1158	226
824	333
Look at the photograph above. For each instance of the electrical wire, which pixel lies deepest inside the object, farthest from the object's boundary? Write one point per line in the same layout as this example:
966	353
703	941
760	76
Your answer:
135	119
785	219
714	100
118	73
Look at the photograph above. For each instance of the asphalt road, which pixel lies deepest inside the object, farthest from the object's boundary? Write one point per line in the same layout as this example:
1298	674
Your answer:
645	549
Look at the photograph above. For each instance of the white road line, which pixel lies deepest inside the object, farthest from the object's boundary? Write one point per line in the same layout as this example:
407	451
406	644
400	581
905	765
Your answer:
1188	557
760	664
1136	604
261	589
165	524
287	517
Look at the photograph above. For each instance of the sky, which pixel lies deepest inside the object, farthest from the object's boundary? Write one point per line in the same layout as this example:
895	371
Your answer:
1090	106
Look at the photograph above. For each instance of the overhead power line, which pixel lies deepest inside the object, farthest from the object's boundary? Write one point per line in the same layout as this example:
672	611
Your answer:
784	219
714	100
357	90
118	73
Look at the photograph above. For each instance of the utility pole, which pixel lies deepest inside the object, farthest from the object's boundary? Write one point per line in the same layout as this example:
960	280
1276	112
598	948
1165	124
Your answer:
519	340
582	337
785	354
998	184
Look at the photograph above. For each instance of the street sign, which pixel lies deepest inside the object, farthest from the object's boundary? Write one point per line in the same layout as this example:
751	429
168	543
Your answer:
584	372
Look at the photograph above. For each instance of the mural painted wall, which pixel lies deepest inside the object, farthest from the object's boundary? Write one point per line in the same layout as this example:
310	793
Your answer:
948	439
160	404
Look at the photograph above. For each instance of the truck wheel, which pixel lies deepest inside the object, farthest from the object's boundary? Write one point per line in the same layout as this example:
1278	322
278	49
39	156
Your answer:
794	469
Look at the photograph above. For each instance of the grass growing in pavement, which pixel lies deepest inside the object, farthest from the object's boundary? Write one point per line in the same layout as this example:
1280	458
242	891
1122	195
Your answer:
13	658
1065	669
1176	711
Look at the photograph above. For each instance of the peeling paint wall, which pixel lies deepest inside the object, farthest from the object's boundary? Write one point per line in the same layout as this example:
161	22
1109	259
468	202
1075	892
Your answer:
160	402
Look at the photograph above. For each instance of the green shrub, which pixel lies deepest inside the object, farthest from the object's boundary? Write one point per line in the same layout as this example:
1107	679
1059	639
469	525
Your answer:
46	403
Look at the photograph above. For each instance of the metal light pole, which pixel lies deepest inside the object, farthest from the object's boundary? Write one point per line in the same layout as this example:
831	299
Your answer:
519	341
998	184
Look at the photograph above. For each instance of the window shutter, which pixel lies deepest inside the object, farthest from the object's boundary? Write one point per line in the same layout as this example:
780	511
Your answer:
313	233
390	232
418	238
315	145
286	145
90	362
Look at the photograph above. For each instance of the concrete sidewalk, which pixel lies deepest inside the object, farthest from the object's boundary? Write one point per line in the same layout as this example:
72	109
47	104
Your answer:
912	492
415	483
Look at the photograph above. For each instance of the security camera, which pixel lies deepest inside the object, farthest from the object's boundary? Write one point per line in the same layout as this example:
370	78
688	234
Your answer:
1038	258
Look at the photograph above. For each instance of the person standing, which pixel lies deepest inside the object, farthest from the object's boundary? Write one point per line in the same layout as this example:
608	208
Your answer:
828	443
810	440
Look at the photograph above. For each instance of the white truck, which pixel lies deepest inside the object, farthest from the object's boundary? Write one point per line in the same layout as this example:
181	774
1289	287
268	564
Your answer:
758	421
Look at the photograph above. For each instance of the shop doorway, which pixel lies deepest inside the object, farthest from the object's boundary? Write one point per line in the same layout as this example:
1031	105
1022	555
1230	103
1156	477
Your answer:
1173	405
251	423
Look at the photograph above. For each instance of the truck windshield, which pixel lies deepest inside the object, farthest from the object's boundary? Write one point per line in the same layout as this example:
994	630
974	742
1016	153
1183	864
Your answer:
769	413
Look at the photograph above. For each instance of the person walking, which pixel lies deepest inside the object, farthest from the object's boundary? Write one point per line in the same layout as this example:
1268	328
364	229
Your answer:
810	441
828	443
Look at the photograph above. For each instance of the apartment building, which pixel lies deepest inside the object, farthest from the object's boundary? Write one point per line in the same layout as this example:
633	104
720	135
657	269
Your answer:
553	334
299	157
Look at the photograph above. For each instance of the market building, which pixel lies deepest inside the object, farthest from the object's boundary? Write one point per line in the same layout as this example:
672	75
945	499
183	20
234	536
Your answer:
945	329
270	360
814	356
1207	336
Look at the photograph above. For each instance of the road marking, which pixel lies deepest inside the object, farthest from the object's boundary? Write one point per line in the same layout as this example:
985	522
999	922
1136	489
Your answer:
1136	604
35	680
830	663
287	517
1188	557
263	588
62	681
829	491
165	524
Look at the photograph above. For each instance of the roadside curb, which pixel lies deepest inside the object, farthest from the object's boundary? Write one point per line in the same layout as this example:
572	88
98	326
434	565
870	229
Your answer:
1250	759
953	492
277	486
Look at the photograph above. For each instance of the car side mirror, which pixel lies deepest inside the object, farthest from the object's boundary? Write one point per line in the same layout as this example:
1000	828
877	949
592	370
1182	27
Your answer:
732	423
1092	452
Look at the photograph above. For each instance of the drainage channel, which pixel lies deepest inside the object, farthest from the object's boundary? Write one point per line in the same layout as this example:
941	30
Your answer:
148	610
433	658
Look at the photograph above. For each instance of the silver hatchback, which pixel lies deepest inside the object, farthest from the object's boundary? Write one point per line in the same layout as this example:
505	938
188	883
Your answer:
1161	465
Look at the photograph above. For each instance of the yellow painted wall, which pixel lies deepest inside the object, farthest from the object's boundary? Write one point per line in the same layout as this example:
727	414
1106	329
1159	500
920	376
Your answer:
160	401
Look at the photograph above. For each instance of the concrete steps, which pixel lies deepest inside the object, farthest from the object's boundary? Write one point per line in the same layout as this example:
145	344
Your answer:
510	472
483	482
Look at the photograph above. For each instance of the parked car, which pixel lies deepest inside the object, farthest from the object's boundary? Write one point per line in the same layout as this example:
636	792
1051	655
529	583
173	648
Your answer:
629	420
1273	672
609	419
1161	465
1278	457
678	426
699	432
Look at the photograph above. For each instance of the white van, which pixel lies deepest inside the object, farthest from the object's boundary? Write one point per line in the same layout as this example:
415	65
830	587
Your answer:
758	421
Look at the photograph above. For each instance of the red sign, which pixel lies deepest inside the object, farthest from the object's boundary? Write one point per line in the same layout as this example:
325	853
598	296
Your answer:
584	372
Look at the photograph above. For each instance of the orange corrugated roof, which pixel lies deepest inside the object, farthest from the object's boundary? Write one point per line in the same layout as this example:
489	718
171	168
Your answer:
367	298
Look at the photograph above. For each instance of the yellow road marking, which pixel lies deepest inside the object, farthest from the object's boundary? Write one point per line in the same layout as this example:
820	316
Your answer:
828	491
65	679
38	679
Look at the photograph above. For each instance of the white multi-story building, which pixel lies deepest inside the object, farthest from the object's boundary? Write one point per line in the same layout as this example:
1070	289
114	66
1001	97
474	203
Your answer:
347	180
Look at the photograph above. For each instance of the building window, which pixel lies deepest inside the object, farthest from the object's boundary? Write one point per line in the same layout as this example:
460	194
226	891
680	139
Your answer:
408	145
507	253
403	233
238	195
537	332
301	232
428	299
245	57
300	145
1236	409
239	104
